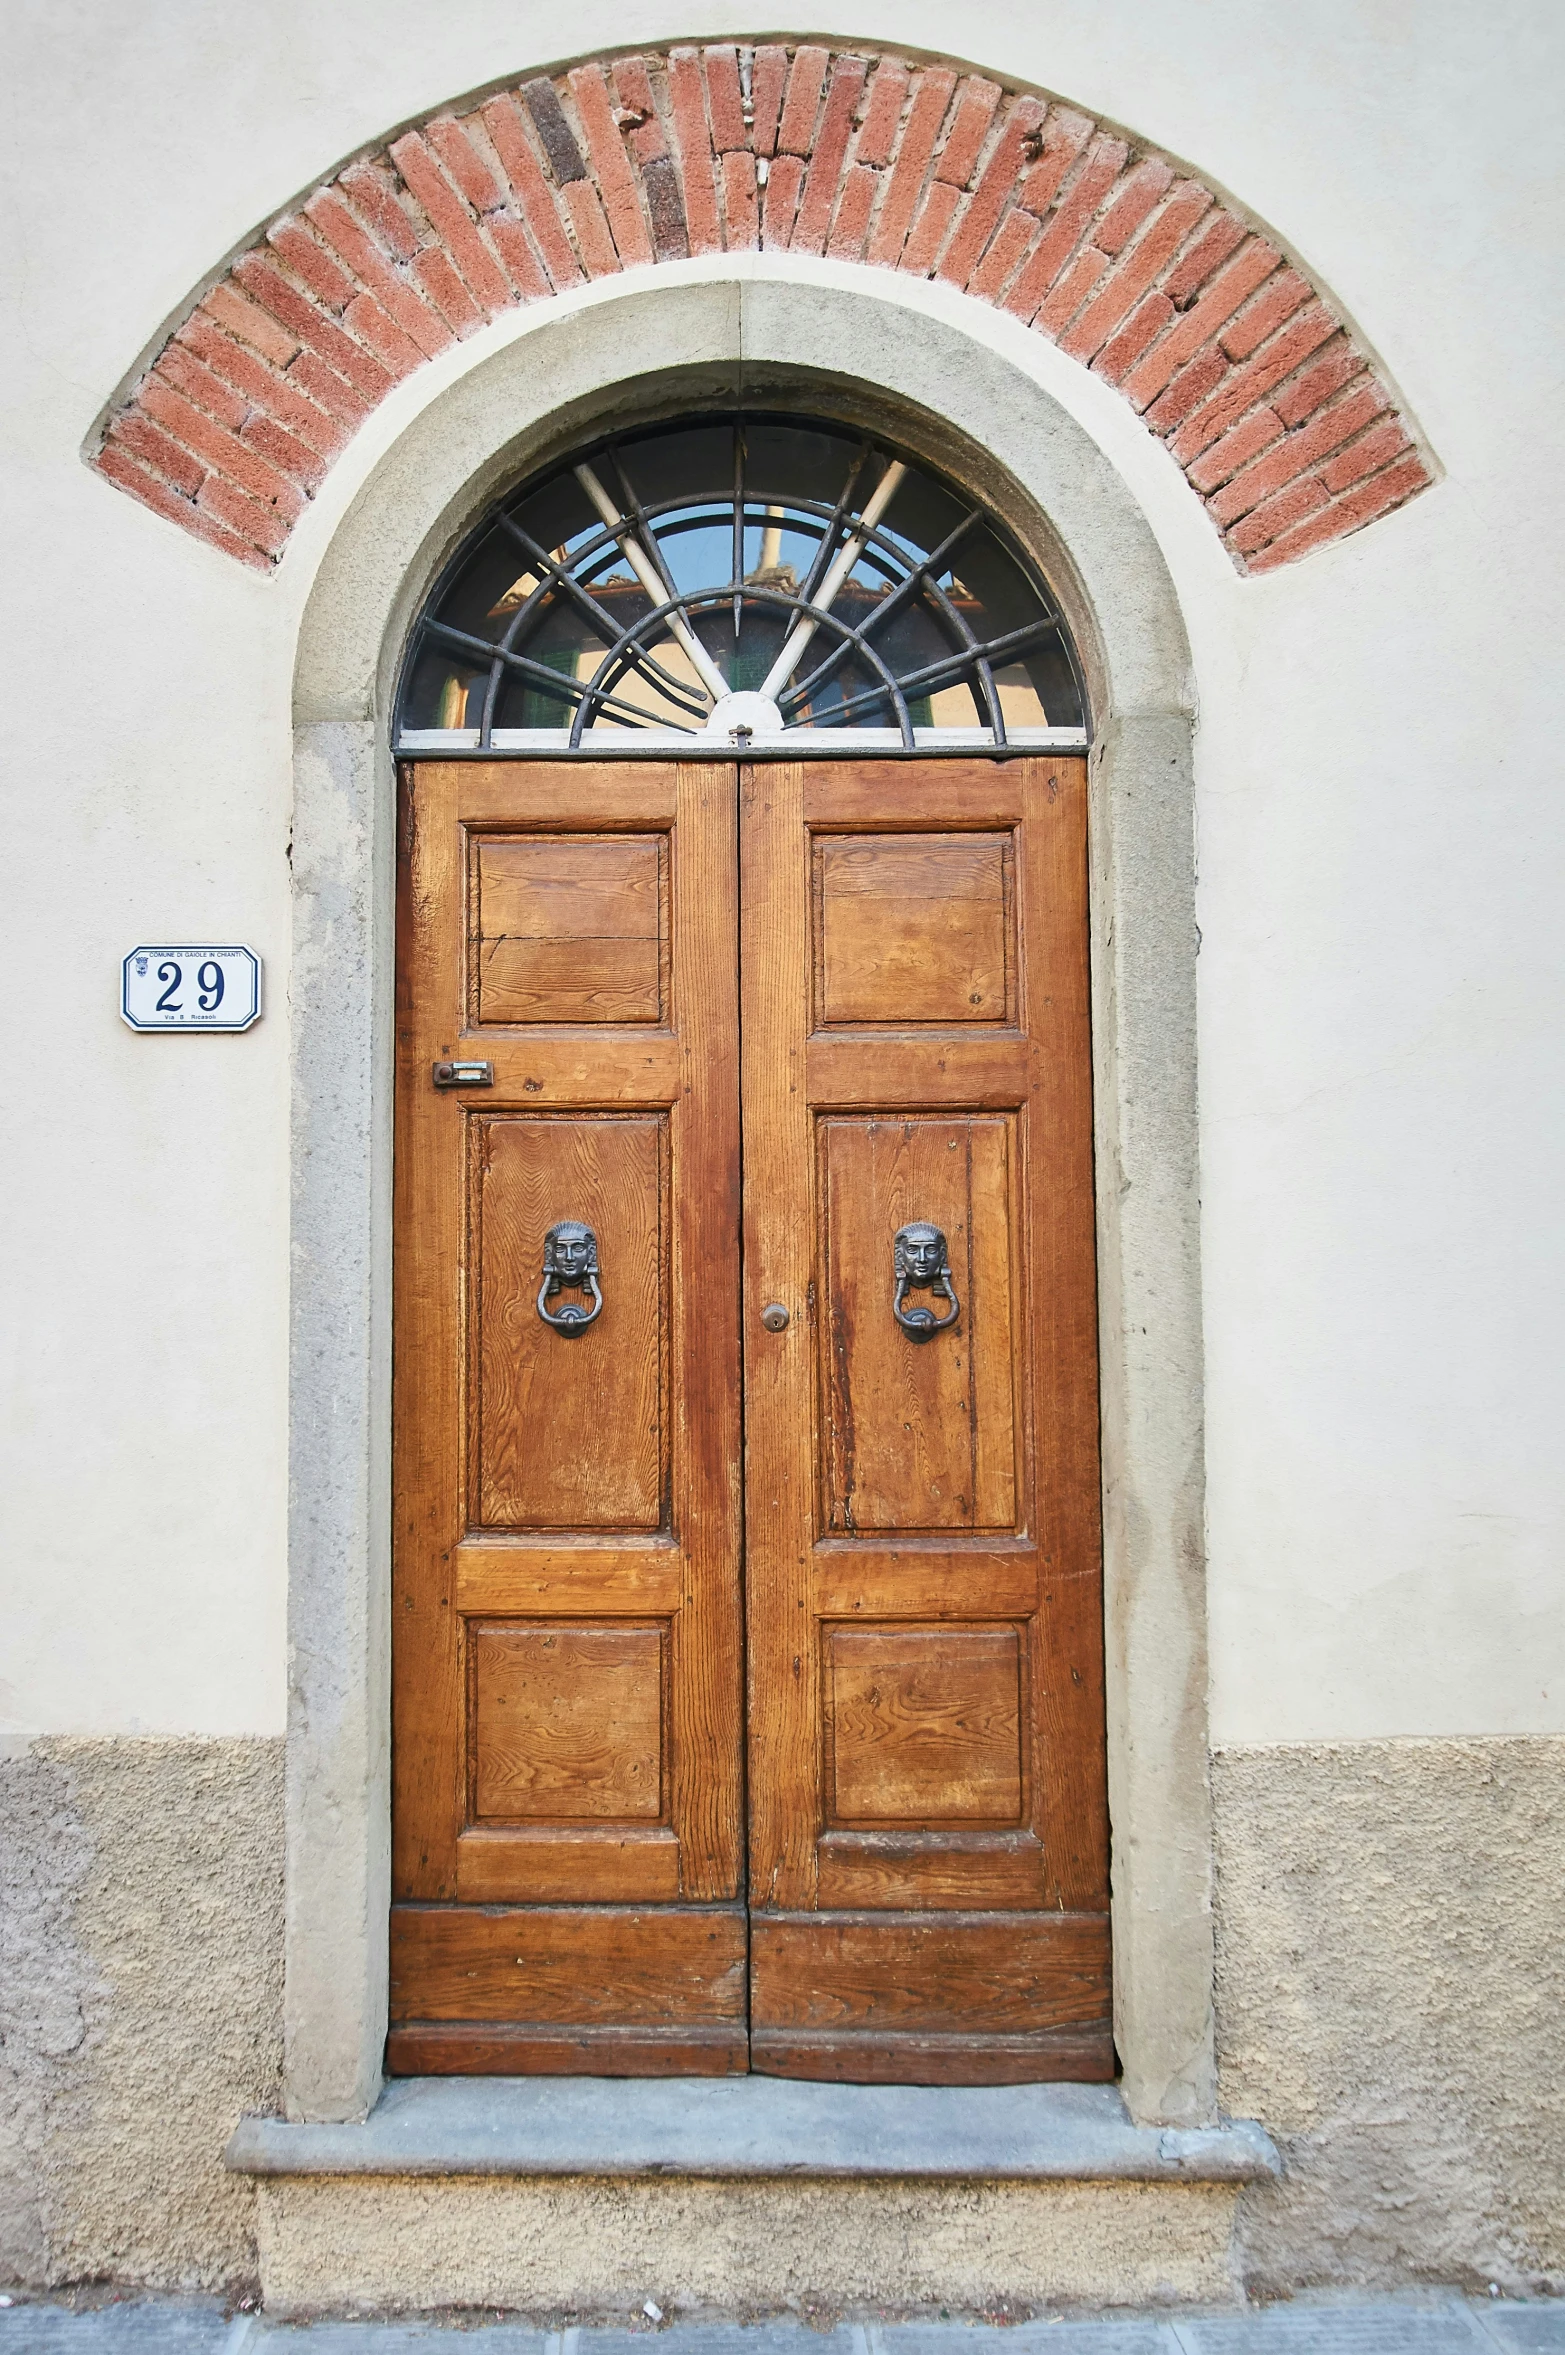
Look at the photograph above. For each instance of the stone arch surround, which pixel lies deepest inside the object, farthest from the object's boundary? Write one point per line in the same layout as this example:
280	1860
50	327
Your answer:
966	398
1280	422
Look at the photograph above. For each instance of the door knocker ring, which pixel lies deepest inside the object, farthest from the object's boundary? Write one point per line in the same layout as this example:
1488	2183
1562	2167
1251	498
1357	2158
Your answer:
921	1264
570	1261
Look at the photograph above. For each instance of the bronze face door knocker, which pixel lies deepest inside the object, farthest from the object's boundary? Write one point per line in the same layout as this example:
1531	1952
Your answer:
920	1263
570	1261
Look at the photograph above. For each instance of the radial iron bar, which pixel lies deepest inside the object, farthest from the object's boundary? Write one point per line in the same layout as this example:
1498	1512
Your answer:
657	588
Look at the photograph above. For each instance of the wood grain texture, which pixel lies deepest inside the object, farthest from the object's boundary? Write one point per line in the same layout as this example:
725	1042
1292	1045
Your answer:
497	2049
567	1721
926	1817
923	1068
1071	2055
567	1731
912	928
534	1577
538	1069
920	1870
918	1437
589	795
849	795
923	1725
568	928
923	1578
568	1430
575	1966
883	1692
545	1863
782	1473
938	1972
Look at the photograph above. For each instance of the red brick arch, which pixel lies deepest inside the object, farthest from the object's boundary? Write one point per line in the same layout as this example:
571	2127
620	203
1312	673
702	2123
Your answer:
1127	262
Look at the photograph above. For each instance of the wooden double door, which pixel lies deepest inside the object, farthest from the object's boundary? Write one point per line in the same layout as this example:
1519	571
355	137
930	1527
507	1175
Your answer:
747	1601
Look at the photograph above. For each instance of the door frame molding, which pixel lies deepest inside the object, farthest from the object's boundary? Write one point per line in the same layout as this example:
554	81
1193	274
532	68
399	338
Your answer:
983	399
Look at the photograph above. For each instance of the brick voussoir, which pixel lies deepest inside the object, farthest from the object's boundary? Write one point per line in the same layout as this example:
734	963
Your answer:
1142	273
127	475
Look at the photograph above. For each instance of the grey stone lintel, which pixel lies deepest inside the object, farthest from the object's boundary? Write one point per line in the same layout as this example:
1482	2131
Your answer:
753	2126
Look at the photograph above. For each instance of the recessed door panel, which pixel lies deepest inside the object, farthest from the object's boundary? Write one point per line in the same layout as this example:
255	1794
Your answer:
919	1437
923	1725
568	928
568	1425
566	1722
913	928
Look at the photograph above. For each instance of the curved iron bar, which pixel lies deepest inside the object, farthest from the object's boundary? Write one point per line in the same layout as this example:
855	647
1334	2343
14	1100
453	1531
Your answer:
556	682
826	617
839	516
626	654
882	612
595	697
974	654
562	577
556	576
992	697
634	512
943	674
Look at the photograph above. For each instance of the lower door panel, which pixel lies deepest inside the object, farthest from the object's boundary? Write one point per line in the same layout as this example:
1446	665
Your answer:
600	1990
948	1999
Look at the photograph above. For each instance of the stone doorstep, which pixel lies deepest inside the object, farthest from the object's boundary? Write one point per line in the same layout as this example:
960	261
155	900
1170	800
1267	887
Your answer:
753	2126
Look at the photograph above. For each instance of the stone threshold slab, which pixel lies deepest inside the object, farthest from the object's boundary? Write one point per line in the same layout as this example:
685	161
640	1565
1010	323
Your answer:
753	2126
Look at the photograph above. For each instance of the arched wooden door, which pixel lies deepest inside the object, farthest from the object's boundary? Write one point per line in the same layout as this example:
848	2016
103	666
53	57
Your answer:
747	1638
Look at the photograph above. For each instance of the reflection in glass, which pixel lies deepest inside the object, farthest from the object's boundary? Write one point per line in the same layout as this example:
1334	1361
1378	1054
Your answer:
740	577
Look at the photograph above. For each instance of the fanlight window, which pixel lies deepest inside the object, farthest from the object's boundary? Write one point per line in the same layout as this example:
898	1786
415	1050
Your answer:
739	580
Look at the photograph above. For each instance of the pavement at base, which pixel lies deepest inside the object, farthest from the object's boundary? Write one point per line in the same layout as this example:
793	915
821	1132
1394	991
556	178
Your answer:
1418	2323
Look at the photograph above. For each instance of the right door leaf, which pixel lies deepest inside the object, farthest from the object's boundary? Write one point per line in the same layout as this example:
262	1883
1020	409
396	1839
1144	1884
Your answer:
928	1819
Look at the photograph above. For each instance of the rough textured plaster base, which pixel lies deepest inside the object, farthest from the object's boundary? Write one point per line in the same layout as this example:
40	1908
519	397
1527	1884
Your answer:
1391	2000
140	2004
399	2242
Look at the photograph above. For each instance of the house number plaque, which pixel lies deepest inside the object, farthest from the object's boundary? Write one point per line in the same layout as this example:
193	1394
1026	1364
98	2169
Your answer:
186	988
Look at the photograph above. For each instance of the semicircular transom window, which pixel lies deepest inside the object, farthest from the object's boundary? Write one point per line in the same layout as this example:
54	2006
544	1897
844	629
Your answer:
739	580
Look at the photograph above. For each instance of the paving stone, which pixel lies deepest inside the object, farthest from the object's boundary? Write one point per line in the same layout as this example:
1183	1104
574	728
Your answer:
140	2327
392	2338
1526	2330
1109	2335
1430	2325
1439	2326
716	2338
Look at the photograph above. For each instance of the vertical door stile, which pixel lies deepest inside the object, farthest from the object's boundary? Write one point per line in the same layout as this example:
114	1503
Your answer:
783	1672
708	1759
428	1216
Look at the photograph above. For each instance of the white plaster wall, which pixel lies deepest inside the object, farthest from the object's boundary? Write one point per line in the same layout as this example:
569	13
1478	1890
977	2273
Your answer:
1381	828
